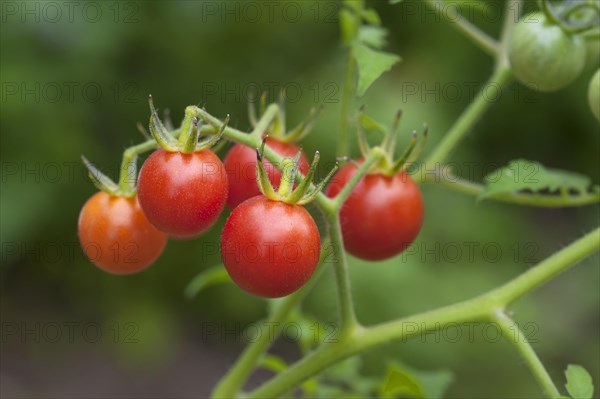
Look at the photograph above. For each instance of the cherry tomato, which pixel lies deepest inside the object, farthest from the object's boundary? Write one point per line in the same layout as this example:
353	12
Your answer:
543	55
182	194
270	248
240	164
382	216
116	235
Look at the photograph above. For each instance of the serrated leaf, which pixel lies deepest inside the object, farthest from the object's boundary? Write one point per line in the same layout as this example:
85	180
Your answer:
579	382
206	278
522	174
371	65
373	36
273	363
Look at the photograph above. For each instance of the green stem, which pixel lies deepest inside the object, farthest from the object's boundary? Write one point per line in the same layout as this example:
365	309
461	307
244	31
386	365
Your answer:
549	268
266	119
468	119
128	177
348	321
348	92
513	333
477	36
479	308
538	200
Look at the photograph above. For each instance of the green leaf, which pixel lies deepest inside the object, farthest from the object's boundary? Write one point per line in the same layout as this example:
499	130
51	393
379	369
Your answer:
371	65
403	380
206	278
400	381
395	1
522	174
373	36
579	382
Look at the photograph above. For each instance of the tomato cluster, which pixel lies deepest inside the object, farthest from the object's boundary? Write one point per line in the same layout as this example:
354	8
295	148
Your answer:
270	244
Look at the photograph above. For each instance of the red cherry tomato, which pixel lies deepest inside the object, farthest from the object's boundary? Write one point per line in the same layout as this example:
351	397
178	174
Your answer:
240	164
182	194
270	248
116	236
382	216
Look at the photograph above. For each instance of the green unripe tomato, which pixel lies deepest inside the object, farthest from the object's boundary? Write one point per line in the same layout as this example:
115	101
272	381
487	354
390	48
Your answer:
594	94
543	56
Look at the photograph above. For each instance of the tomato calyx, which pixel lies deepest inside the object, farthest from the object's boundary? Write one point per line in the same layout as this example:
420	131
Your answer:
302	194
388	165
278	130
188	132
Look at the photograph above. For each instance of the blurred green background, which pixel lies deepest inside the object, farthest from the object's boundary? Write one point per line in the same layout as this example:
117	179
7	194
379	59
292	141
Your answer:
75	81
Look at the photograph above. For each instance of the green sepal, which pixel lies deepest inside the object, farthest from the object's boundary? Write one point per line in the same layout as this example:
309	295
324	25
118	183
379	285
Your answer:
100	180
215	138
313	194
304	127
389	141
407	153
164	139
143	131
264	184
304	185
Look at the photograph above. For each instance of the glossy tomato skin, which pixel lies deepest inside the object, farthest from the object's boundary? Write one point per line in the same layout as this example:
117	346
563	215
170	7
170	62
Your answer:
382	216
182	194
240	164
116	235
270	248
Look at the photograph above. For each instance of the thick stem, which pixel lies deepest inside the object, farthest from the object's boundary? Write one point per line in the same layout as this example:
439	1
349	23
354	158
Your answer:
546	270
513	333
479	308
348	321
348	92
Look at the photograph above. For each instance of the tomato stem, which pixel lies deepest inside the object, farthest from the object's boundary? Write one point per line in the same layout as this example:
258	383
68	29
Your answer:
188	139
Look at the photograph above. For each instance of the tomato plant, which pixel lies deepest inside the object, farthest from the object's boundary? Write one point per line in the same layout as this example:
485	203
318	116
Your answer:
270	244
116	235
